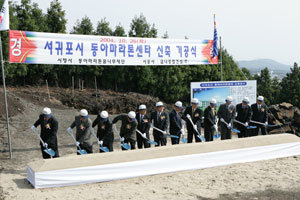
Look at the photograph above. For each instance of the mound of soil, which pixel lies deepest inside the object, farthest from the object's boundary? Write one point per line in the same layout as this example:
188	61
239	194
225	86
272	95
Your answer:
14	105
113	102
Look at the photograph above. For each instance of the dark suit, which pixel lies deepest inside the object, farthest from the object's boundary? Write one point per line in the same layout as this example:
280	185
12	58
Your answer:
175	126
162	122
209	122
243	115
228	117
48	134
143	127
196	117
104	132
128	130
259	115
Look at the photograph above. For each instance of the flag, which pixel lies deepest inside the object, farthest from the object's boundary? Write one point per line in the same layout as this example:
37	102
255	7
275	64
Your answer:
215	41
4	16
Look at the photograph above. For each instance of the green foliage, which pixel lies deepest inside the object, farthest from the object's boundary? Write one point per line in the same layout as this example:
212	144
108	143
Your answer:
139	27
83	27
103	28
291	86
55	18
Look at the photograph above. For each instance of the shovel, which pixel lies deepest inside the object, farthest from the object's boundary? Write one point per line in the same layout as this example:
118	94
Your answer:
269	125
148	140
80	151
169	135
105	149
198	134
123	144
248	127
234	130
182	138
49	151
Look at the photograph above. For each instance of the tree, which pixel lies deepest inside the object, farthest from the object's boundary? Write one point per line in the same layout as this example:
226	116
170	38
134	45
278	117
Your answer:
55	18
139	27
103	28
264	85
291	86
84	27
119	31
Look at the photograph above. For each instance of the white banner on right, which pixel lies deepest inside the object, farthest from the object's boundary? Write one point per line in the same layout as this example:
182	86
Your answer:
219	90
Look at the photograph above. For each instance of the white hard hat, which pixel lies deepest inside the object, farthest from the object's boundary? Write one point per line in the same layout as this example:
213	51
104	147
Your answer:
260	98
195	101
46	111
159	104
104	114
213	101
246	100
229	98
142	107
132	115
178	104
83	113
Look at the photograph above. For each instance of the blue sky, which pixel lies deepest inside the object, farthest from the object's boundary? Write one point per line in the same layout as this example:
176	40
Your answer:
249	29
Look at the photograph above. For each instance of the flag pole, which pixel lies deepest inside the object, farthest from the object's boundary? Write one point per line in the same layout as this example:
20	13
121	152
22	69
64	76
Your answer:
5	99
221	59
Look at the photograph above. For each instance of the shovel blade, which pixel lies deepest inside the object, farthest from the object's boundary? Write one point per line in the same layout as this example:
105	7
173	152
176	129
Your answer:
235	130
49	152
217	136
251	127
82	152
105	149
125	146
183	140
152	142
201	138
172	136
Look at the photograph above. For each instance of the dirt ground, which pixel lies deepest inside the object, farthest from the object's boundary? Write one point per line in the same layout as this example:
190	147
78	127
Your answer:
272	179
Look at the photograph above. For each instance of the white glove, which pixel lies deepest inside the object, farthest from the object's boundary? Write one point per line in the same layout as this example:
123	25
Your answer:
144	135
266	123
216	127
33	128
229	126
69	130
182	131
246	124
100	142
164	132
188	116
45	145
195	127
222	120
77	143
122	139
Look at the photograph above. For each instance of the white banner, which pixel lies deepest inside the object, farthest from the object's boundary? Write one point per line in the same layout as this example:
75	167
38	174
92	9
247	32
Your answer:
71	49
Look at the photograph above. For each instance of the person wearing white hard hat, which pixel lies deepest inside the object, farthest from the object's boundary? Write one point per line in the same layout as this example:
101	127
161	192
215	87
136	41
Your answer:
84	135
259	114
104	132
244	112
143	126
226	114
160	120
49	127
210	120
196	115
128	128
176	127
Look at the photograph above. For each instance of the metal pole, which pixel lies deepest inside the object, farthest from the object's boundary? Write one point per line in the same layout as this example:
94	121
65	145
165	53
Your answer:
48	89
5	99
221	59
96	86
73	85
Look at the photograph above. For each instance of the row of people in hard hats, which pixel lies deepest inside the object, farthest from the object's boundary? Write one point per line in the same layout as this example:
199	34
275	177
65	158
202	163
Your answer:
135	126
